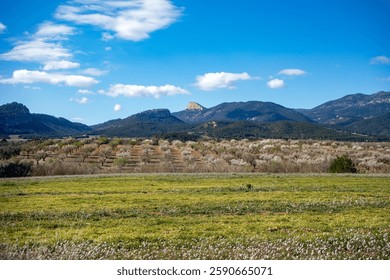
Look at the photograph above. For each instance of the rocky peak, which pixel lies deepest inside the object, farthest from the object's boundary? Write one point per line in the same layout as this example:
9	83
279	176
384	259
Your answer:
195	106
12	109
14	114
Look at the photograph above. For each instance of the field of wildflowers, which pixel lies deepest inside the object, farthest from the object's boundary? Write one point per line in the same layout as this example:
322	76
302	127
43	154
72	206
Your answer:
202	216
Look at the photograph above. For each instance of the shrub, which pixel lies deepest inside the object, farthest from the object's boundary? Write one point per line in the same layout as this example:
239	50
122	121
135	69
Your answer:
249	187
63	168
103	140
121	162
8	150
342	164
15	169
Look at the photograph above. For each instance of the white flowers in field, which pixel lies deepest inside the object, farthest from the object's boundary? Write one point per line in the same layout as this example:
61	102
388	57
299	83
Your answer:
268	147
238	162
350	244
267	155
186	152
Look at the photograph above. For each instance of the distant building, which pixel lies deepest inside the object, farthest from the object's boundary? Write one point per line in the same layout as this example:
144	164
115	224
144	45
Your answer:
16	138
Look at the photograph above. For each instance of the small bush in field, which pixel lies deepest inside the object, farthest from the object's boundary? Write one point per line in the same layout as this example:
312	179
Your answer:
249	187
15	169
342	164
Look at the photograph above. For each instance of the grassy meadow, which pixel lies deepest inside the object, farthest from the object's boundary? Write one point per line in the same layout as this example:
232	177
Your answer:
202	216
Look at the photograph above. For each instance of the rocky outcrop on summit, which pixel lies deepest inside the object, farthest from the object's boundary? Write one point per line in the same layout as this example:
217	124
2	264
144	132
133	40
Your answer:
256	111
195	106
192	112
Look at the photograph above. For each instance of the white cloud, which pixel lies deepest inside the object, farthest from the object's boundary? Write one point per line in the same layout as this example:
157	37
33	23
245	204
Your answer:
95	72
83	100
117	107
212	81
61	64
107	36
85	91
130	20
380	60
33	88
143	91
36	51
108	49
276	83
292	72
52	31
30	77
44	46
2	27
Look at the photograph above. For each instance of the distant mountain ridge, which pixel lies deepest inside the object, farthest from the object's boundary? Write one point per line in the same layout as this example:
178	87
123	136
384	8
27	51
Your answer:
378	125
352	117
351	108
242	111
15	118
144	124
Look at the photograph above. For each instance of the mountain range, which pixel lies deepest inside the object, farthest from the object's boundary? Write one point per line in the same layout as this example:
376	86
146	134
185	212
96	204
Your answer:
351	108
353	117
144	124
15	118
256	111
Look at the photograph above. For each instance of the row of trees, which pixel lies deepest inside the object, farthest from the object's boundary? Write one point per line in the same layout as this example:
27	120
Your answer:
104	155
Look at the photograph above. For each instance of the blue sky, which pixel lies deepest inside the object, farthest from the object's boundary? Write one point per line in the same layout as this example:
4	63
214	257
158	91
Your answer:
93	60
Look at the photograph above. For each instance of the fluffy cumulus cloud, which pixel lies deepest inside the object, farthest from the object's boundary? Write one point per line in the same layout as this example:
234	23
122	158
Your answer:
61	64
276	83
380	60
44	46
117	107
292	72
30	77
36	51
212	81
130	20
2	27
143	91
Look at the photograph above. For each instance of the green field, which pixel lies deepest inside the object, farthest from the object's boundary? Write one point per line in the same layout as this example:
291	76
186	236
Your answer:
225	216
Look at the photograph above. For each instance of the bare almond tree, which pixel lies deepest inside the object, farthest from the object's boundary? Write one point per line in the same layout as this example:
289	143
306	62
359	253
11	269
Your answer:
104	154
87	150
